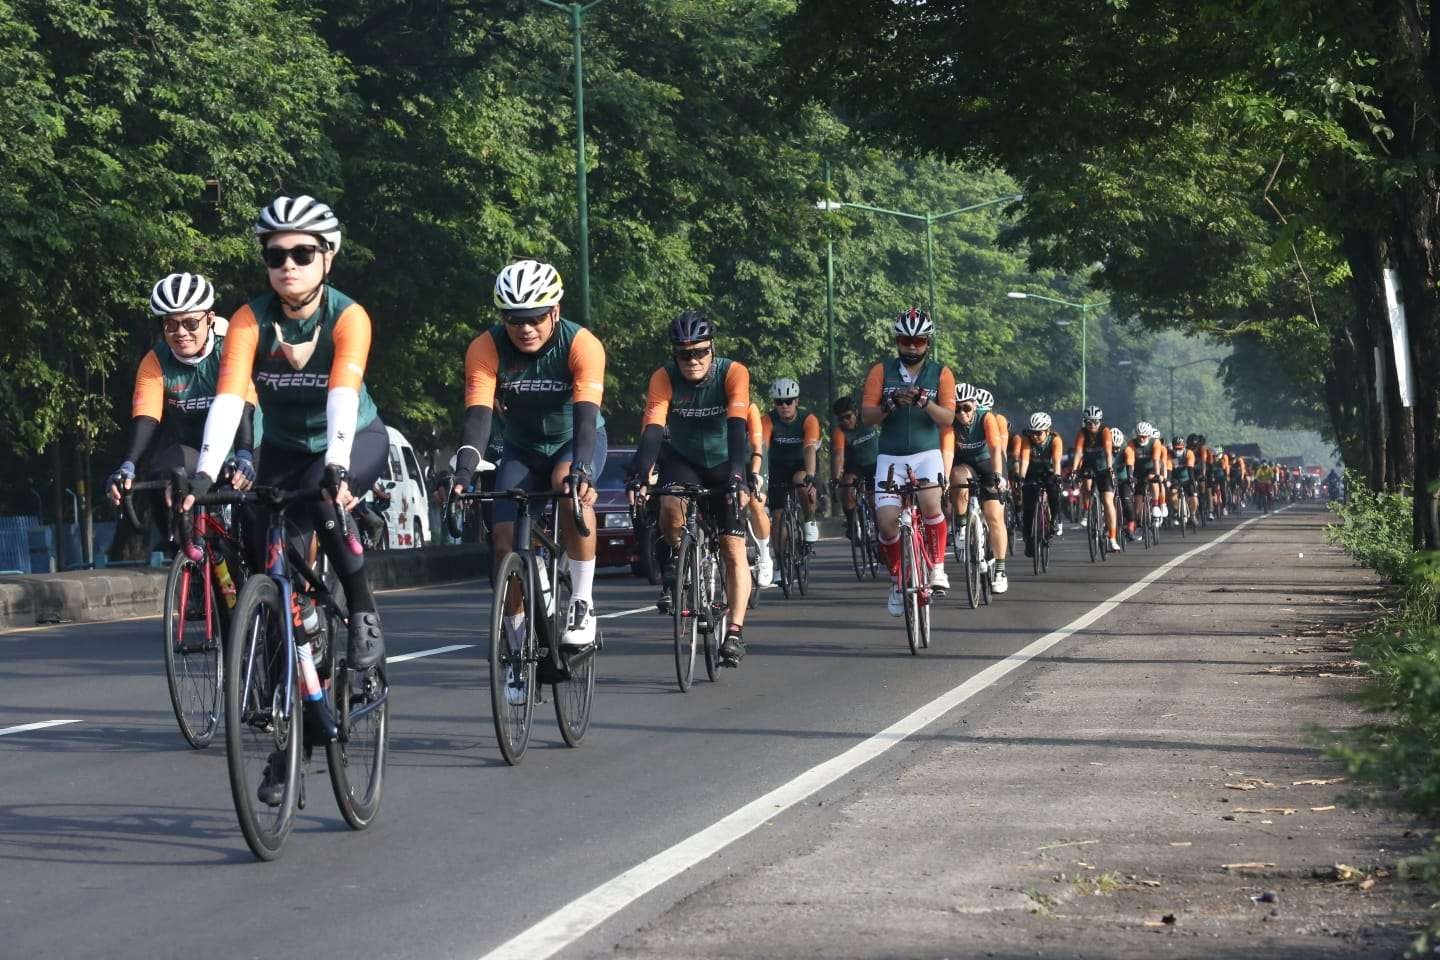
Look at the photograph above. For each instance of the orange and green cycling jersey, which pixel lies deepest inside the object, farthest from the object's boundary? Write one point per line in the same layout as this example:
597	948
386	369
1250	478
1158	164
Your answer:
908	429
293	400
538	391
974	444
860	445
1123	463
786	441
1150	456
1092	450
1182	466
697	414
178	395
1045	452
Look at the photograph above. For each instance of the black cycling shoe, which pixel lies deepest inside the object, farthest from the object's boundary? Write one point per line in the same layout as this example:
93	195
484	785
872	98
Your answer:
732	649
367	644
320	726
272	788
667	587
1029	550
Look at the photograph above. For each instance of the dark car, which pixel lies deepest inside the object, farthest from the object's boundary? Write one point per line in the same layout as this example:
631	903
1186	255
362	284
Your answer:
615	545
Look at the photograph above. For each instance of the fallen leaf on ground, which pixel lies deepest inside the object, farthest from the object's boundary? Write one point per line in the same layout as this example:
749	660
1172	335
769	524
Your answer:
1341	871
1283	811
1318	783
1241	786
1254	865
1367	883
1150	883
1180	843
1322	809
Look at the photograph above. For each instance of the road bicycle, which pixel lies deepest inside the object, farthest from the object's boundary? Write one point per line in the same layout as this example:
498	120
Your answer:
1096	527
914	562
1040	523
271	662
1149	526
200	593
533	582
860	529
792	553
972	550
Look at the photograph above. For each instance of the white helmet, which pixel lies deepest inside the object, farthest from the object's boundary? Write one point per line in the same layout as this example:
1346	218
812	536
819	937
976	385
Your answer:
784	389
1117	437
181	293
914	323
985	398
1039	422
1144	429
303	214
1092	413
528	286
966	393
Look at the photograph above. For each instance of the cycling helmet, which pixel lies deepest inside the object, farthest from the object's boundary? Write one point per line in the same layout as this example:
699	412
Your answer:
1039	422
1178	443
1117	437
1092	413
528	288
843	406
1192	438
302	214
1200	439
784	389
1218	450
966	393
914	323
1144	429
181	293
690	327
985	398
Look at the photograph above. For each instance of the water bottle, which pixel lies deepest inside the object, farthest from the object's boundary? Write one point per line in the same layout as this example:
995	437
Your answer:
227	584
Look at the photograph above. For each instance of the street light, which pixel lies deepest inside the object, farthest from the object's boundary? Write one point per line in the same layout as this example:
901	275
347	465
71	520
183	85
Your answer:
576	12
1172	369
1084	309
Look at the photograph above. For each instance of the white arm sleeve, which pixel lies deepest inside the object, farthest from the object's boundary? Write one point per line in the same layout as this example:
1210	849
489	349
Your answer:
220	425
342	410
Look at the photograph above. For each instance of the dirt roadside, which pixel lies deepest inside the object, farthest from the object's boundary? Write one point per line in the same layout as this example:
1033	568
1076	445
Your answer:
1151	790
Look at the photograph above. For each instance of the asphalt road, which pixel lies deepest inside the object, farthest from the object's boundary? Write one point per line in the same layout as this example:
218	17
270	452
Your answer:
117	840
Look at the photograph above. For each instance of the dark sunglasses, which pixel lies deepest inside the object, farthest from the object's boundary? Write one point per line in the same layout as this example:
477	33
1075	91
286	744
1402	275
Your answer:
967	408
191	324
786	403
913	341
514	321
303	255
697	353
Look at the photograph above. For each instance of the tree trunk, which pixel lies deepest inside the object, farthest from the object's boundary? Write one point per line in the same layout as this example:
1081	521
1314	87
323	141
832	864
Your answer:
1418	273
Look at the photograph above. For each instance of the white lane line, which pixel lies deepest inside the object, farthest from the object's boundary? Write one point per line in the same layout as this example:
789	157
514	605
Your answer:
627	613
575	919
27	727
428	653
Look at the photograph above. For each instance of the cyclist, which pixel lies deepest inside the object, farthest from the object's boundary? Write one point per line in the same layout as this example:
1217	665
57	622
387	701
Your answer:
174	387
549	373
759	516
1264	485
911	398
1041	454
1149	465
1182	475
1123	467
1095	453
978	437
853	449
1219	470
704	400
792	443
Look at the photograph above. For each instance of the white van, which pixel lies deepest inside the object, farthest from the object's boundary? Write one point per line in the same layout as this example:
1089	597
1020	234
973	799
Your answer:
407	514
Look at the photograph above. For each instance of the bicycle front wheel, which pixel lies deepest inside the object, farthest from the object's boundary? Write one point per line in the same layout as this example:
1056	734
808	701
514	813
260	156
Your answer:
574	692
263	720
717	599
194	655
910	574
685	608
512	661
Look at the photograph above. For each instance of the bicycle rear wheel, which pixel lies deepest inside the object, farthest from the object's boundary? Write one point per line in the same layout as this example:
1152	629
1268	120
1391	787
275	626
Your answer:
574	690
685	610
872	555
512	720
194	654
262	736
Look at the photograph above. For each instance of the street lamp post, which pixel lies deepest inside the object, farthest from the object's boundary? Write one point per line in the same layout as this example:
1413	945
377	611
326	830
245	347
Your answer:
576	12
1172	369
1084	309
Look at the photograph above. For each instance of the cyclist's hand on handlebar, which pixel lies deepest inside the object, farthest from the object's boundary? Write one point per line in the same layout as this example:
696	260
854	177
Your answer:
336	479
579	484
740	490
809	479
119	482
199	484
241	468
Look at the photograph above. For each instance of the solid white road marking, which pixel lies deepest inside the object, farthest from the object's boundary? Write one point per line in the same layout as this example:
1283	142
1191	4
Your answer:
428	653
572	921
27	727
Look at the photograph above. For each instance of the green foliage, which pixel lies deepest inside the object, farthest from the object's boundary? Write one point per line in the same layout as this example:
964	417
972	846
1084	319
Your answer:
1375	529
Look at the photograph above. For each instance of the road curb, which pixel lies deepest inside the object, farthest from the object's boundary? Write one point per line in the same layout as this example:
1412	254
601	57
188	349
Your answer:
93	596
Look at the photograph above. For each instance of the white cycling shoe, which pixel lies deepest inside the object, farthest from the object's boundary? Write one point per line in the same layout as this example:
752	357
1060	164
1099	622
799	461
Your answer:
765	569
812	531
580	632
895	605
999	583
939	579
1114	545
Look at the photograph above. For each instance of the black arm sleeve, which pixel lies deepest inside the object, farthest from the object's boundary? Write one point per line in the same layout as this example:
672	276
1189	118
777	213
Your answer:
586	420
474	437
142	431
245	433
650	439
736	429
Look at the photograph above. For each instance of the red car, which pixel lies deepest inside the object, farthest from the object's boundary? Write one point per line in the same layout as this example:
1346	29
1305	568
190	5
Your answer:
616	545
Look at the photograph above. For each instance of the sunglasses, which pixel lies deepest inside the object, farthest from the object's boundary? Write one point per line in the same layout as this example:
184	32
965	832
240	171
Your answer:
191	324
967	408
303	255
786	403
913	341
698	353
526	321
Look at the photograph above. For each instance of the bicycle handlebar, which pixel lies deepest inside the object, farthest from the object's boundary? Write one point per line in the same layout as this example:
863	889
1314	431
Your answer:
522	497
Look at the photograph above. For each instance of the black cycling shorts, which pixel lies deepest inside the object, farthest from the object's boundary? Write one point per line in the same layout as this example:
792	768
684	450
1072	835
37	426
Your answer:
1104	479
989	493
781	475
676	469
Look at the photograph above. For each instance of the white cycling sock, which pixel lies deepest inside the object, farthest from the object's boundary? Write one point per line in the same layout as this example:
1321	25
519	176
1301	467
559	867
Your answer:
763	545
582	580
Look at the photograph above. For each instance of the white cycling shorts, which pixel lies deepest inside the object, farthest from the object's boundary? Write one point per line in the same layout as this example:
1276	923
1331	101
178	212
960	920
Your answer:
925	465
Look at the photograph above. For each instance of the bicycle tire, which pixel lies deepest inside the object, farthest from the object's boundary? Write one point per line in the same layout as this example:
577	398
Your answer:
802	563
356	759
1044	547
872	553
649	556
1037	527
1091	531
782	553
685	612
512	721
969	568
980	555
574	690
255	729
910	589
717	596
854	530
194	672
